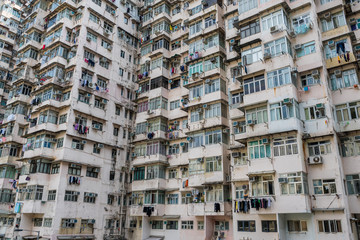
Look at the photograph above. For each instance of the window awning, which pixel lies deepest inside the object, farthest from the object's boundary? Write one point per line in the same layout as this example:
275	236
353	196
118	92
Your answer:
171	216
261	173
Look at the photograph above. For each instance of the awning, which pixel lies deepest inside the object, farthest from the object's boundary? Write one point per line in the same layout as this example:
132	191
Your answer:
261	173
76	237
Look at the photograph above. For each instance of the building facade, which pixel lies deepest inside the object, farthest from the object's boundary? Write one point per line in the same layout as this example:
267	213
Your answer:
168	119
69	116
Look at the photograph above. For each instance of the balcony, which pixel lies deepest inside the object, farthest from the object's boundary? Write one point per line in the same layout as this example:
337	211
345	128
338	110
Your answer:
157	135
8	160
33	207
43	152
333	62
334	33
207	209
150	159
50	127
149	184
51	103
328	6
137	211
19	98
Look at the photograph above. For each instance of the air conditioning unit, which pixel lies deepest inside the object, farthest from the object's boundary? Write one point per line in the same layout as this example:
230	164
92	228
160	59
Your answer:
189	139
182	144
267	55
106	32
297	46
283	180
292	34
195	75
200	160
251	122
96	126
91	221
315	73
205	106
235	123
113	13
327	16
213	60
109	48
88	39
100	145
331	43
104	101
338	73
232	42
315	159
226	130
274	29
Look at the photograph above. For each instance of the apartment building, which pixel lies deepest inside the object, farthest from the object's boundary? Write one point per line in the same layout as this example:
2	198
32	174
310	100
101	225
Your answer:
9	30
69	117
246	122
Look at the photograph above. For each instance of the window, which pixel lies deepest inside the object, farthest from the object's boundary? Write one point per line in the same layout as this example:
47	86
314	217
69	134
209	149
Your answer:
96	148
187	224
209	22
200	225
196	115
98	2
154	172
269	226
255	84
277	47
257	115
277	18
236	98
301	23
336	20
55	168
247	5
89	197
139	173
215	194
345	79
283	110
195	92
195	28
62	118
74	169
221	226
108	26
7	196
324	186
263	186
306	49
348	111
296	183
285	146
279	77
35	192
40	166
84	97
91	36
250	29
195	167
350	146
71	196
213	164
172	225
197	141
319	148
157	225
47	222
172	173
52	195
353	184
313	112
297	226
258	149
117	110
252	55
330	226
68	222
174	104
173	199
213	110
37	222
